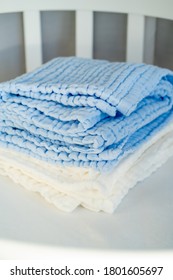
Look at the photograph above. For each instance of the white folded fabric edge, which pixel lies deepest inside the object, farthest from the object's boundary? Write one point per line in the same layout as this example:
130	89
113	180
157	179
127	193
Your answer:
69	187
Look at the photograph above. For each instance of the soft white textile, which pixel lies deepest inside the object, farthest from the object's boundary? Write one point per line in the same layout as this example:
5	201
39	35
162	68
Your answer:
68	187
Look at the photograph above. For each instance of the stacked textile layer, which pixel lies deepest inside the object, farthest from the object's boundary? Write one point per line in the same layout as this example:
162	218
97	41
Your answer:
82	132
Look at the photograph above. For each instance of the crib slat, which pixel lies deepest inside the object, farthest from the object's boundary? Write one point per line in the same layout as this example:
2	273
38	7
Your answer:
135	38
32	38
84	34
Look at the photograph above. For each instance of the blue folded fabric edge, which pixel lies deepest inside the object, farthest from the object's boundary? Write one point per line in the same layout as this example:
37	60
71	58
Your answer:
83	112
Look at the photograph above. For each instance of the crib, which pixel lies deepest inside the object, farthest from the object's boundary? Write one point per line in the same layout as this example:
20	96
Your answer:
27	222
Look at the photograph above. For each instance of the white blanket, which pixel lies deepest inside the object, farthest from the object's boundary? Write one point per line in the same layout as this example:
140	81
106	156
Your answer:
70	187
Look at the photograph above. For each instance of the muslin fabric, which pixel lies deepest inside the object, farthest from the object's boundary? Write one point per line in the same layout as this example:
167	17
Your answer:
88	115
69	187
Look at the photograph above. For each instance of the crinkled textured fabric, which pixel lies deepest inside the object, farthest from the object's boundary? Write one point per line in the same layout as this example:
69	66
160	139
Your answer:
69	187
84	113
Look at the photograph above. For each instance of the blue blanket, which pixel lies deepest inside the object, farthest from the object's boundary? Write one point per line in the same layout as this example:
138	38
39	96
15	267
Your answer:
82	112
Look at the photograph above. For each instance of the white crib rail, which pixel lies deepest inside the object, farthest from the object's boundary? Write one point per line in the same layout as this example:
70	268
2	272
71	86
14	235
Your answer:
32	38
136	10
84	33
135	38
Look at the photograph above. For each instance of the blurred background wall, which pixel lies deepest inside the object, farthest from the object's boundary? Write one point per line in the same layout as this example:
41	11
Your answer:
58	39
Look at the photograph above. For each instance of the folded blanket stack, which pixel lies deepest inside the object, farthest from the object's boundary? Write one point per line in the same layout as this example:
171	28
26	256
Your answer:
82	132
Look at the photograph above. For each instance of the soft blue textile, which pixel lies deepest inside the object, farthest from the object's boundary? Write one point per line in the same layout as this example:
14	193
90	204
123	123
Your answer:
83	112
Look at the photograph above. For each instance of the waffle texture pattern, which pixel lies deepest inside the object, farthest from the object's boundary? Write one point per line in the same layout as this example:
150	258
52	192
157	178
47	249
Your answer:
84	113
68	187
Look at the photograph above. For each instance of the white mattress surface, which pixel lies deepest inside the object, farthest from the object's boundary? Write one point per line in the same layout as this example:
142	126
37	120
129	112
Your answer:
143	221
